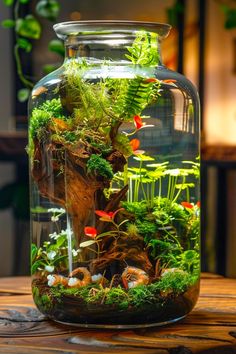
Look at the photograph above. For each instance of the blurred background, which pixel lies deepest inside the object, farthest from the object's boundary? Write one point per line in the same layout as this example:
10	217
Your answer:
202	46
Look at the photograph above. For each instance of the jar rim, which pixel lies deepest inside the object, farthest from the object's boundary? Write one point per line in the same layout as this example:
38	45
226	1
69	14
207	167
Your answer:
64	29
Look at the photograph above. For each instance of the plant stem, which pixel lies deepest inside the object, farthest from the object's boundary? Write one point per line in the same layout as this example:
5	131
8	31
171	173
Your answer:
20	73
142	186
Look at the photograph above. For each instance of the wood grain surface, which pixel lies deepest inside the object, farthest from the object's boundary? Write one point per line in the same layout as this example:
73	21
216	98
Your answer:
209	329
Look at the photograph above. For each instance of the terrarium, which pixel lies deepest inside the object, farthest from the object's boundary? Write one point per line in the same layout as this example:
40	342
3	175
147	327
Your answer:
114	169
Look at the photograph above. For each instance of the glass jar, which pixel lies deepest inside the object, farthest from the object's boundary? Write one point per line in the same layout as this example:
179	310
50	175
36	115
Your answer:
114	167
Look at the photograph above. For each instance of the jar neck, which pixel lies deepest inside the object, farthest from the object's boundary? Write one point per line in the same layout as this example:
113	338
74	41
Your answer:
115	47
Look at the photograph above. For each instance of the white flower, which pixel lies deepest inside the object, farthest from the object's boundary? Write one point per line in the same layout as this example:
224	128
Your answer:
54	235
75	252
56	210
55	218
51	255
49	268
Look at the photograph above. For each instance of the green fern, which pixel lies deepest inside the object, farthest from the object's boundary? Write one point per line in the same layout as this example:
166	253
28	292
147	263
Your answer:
140	93
144	49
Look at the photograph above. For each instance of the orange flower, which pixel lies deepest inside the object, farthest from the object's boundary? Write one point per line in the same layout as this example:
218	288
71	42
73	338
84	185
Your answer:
138	122
187	205
90	231
198	204
134	143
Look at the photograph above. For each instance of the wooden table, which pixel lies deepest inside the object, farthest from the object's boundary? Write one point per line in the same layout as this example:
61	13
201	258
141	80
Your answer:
210	328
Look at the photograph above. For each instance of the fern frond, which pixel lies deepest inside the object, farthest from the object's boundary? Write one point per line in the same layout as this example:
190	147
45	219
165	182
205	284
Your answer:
140	93
144	49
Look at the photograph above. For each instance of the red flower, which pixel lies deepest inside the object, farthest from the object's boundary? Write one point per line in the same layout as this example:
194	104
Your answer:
198	204
104	214
187	205
151	79
134	143
138	122
90	231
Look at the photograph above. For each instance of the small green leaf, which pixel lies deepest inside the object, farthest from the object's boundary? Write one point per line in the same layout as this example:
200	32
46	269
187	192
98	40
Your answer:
8	2
141	157
8	23
28	27
36	265
24	44
24	1
34	252
184	185
56	46
87	243
48	9
23	94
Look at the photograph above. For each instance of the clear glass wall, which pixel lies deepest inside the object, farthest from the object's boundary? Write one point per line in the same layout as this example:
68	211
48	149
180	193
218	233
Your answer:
114	166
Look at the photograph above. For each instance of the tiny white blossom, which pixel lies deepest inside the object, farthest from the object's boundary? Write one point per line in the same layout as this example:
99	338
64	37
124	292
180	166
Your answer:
55	218
49	268
51	255
54	235
75	252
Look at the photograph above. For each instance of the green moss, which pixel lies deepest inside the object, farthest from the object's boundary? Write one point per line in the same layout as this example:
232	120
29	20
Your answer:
141	295
98	166
54	107
116	296
139	209
146	228
175	282
101	146
38	122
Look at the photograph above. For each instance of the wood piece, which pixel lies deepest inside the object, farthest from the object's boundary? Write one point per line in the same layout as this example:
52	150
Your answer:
21	285
209	329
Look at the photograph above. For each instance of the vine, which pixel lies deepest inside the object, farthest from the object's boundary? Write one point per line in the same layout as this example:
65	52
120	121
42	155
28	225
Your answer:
27	29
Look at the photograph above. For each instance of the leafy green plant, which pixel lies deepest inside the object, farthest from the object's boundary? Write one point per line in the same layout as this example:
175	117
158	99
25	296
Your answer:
54	253
27	29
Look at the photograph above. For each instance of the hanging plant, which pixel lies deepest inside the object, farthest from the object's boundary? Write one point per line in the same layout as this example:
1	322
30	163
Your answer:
28	29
